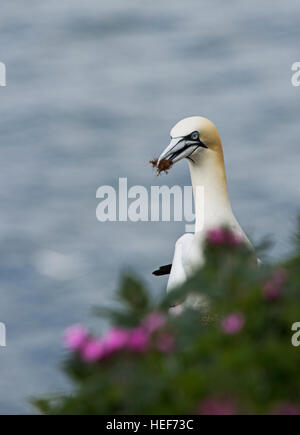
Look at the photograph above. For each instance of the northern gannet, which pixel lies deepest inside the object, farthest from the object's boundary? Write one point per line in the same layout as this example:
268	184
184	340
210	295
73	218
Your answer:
197	139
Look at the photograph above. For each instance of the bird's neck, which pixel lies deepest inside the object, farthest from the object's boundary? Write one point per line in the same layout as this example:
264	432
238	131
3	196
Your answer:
212	205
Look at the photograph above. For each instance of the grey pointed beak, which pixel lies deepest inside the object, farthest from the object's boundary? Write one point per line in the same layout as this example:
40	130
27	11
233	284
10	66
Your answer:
178	149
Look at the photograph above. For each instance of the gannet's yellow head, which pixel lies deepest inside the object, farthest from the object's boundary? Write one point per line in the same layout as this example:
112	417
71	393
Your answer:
193	138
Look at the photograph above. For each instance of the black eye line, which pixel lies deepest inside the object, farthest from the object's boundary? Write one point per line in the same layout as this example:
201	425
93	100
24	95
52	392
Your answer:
201	144
189	136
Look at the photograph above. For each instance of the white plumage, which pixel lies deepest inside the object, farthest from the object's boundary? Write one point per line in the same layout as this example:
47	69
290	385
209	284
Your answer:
198	140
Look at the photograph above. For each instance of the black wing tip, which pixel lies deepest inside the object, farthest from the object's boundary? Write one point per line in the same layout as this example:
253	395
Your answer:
163	270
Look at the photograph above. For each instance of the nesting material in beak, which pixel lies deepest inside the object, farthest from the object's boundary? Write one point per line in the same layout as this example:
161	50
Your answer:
163	165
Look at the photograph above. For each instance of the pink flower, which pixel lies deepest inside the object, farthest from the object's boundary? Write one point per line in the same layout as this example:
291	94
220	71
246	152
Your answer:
287	408
216	236
217	406
222	236
117	339
233	323
165	342
270	291
280	276
154	321
75	337
94	350
272	288
139	340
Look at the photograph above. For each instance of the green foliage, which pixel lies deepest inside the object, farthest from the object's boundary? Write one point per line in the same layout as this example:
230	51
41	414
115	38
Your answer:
232	352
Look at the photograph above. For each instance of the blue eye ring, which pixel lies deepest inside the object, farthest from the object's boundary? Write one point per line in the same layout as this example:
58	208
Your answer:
195	135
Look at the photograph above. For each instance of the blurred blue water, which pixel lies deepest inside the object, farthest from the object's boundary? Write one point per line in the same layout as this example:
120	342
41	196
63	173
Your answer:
92	90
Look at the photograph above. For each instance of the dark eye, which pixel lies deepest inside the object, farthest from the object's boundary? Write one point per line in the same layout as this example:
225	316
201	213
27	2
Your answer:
195	135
